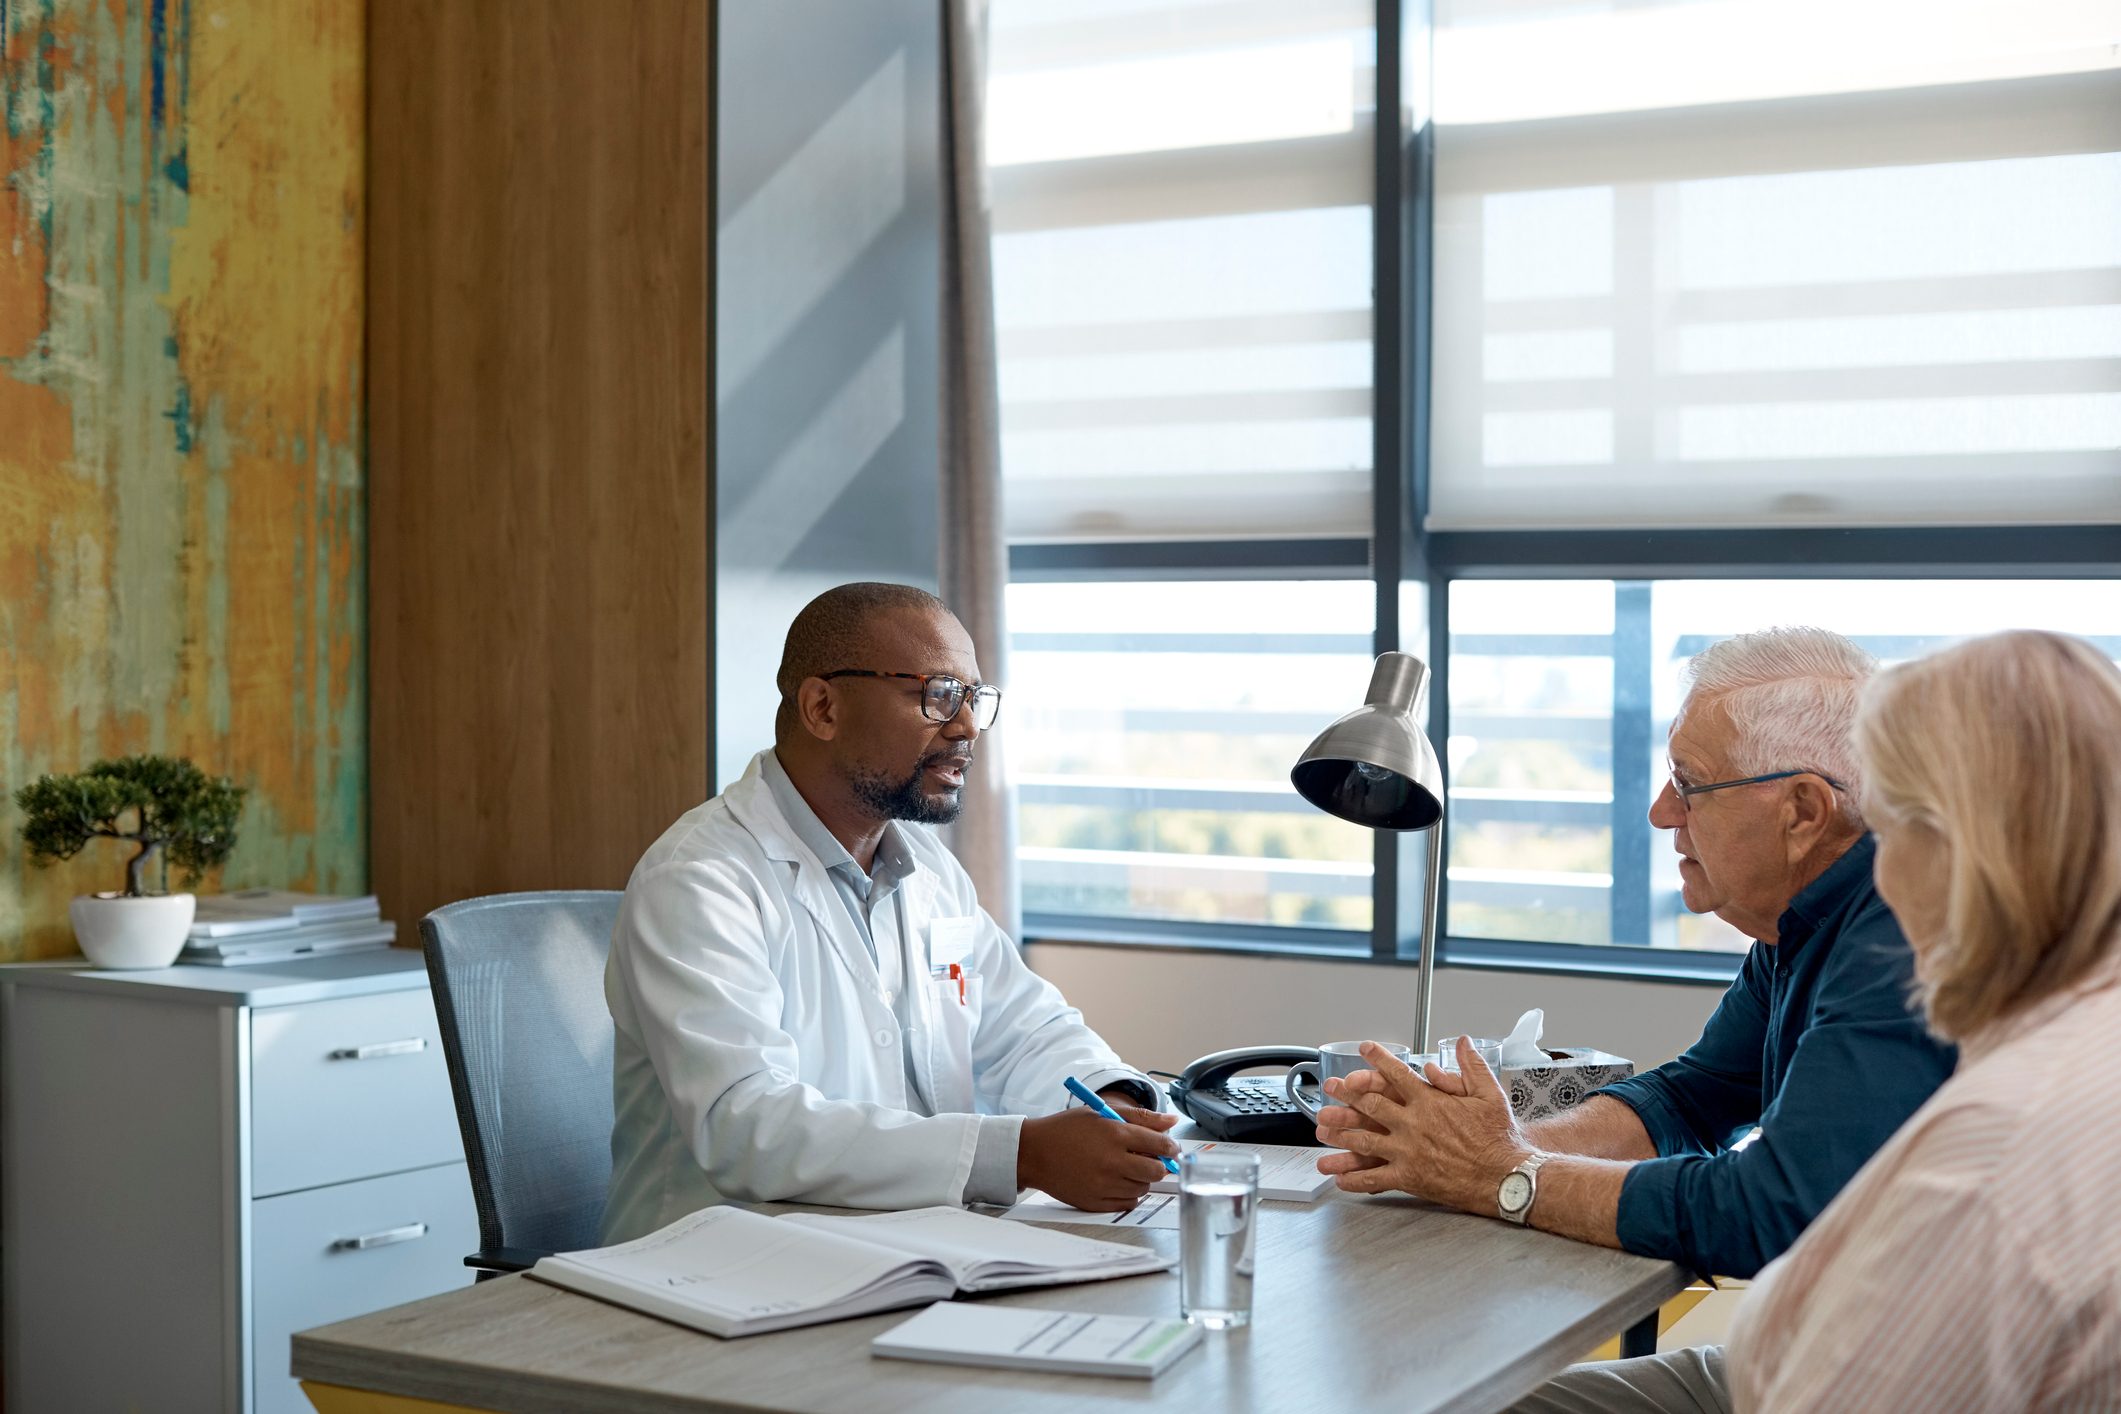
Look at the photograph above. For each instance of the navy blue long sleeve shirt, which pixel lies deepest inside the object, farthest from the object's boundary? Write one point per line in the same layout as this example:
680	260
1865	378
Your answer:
1816	1042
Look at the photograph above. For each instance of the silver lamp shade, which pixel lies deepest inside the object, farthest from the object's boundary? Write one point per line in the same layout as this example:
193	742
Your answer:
1375	766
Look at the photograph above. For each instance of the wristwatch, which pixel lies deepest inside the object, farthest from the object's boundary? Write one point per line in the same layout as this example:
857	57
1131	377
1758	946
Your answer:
1513	1197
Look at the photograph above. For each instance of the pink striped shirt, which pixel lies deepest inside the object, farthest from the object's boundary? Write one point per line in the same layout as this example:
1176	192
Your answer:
1975	1262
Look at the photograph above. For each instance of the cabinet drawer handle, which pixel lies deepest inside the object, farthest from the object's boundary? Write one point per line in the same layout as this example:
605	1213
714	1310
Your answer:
405	1047
411	1232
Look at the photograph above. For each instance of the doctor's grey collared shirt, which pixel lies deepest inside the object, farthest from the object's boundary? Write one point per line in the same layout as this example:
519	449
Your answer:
993	1178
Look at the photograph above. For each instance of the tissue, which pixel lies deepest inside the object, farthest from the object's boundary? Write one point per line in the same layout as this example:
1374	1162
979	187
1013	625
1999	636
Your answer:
1521	1046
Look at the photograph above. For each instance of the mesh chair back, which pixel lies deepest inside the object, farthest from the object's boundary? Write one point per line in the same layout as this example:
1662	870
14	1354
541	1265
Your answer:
519	991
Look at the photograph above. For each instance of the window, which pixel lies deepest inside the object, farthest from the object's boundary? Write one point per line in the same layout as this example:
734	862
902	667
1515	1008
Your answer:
1152	754
1562	693
1181	203
1785	332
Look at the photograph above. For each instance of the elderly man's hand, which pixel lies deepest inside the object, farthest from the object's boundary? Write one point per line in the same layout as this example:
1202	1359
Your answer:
1339	1116
1448	1138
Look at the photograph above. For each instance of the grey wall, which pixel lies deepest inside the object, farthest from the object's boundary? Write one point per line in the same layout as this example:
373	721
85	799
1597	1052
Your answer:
828	224
1162	1009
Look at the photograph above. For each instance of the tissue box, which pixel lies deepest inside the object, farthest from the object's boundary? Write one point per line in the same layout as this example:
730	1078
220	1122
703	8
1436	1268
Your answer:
1537	1091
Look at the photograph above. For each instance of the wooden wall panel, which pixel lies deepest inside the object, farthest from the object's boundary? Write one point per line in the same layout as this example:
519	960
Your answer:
540	549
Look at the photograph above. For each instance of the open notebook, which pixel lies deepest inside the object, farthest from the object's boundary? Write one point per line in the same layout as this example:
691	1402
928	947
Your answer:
730	1272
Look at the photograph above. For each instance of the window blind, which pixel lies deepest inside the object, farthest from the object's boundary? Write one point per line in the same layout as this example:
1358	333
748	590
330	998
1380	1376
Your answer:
1747	264
1181	205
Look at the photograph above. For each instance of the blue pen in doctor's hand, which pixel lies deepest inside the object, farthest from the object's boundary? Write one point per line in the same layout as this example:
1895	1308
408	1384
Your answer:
1083	1092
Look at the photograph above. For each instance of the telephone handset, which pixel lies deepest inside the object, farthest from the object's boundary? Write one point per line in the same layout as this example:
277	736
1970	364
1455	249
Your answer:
1255	1111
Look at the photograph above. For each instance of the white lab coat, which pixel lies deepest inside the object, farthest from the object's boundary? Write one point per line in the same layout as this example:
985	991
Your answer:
757	1058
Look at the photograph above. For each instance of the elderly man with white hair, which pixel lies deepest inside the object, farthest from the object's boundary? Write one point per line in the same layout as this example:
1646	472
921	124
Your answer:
1815	1043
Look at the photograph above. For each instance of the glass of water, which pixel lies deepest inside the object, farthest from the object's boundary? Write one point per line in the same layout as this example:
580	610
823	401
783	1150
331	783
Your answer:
1218	1206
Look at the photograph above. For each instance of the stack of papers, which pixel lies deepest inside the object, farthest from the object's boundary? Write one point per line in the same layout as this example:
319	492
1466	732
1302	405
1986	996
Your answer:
273	925
1288	1173
731	1272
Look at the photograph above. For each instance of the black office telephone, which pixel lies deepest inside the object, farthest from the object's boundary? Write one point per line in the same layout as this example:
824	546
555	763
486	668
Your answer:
1252	1110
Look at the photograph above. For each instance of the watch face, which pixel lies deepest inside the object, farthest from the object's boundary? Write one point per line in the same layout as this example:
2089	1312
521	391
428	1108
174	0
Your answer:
1516	1191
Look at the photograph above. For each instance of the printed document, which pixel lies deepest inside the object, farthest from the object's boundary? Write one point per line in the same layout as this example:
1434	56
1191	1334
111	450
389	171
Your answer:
1158	1210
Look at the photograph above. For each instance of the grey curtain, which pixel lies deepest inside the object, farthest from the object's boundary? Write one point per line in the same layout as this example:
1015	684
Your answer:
975	553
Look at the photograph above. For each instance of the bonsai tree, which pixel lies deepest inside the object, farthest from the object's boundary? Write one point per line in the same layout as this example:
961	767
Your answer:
174	810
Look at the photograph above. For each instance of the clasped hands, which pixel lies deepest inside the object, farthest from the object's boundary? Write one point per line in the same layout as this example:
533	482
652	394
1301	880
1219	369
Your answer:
1447	1137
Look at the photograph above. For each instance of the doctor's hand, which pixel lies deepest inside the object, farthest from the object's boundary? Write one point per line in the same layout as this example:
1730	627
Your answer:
1446	1137
1087	1161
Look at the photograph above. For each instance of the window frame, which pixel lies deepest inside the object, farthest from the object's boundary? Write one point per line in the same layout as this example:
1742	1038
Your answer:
1400	555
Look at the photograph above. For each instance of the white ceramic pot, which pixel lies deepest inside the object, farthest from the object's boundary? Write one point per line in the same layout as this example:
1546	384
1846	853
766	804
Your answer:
120	932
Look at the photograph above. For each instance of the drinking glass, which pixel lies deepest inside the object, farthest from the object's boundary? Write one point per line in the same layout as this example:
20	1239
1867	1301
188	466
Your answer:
1218	1208
1489	1050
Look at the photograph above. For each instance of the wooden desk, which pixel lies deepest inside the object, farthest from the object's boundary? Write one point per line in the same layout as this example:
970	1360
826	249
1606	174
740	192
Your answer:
1360	1303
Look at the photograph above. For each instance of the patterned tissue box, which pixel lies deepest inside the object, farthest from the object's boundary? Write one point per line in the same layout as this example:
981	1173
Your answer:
1537	1091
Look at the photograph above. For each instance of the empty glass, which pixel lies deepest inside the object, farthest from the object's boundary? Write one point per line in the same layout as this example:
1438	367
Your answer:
1488	1050
1218	1206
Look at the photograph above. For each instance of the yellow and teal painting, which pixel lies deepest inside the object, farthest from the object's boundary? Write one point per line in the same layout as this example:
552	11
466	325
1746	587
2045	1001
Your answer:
181	543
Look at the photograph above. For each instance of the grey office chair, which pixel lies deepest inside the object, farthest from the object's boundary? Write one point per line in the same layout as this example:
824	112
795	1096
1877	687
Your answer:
519	991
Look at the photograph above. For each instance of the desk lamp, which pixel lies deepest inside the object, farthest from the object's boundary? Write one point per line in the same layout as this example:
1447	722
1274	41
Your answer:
1375	767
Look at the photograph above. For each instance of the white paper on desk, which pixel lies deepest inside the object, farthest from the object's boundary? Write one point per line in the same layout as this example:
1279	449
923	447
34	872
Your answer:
1288	1173
1158	1210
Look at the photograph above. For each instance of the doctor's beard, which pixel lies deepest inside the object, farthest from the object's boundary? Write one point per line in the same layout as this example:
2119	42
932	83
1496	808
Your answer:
890	799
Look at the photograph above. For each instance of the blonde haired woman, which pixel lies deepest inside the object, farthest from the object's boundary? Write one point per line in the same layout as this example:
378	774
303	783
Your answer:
1975	1262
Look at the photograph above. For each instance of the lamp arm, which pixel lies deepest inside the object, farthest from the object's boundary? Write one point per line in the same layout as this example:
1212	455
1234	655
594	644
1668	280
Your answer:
1425	968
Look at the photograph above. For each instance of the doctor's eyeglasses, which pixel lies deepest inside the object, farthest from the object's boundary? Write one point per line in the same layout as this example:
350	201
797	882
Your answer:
942	696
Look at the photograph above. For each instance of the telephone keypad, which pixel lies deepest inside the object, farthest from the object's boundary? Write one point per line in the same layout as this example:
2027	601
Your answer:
1258	1097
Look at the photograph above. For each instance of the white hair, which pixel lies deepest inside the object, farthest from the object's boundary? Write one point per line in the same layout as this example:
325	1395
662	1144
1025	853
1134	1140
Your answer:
1791	695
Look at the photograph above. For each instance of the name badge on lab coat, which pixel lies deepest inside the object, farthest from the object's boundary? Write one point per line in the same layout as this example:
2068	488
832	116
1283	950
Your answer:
950	940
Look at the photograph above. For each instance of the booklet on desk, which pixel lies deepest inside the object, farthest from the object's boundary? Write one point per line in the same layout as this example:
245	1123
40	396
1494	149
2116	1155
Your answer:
731	1272
1024	1338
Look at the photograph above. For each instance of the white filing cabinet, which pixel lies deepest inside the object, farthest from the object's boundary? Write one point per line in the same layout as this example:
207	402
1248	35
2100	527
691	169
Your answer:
197	1162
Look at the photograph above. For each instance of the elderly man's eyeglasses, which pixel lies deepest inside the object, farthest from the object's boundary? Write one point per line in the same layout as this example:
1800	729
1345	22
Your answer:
942	696
1686	793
